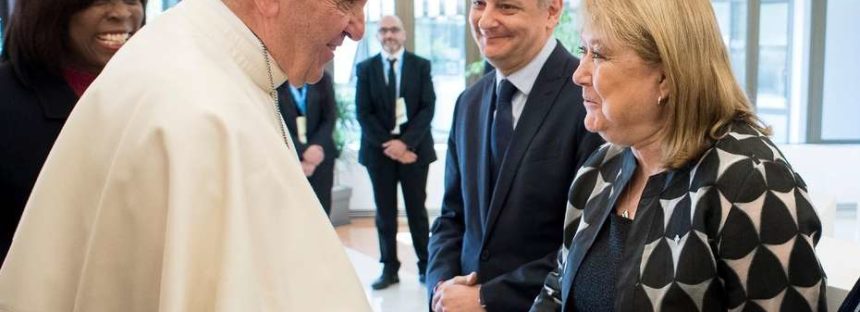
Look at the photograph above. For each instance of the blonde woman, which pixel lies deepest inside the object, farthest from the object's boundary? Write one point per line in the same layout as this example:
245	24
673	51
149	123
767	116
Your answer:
690	206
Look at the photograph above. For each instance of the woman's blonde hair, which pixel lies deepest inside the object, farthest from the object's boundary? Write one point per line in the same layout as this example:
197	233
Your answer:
681	36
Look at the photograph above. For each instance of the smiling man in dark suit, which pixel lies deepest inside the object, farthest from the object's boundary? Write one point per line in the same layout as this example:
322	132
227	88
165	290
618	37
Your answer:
515	145
395	102
309	113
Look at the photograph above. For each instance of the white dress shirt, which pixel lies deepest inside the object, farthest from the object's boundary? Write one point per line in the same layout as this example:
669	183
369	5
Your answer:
398	68
524	79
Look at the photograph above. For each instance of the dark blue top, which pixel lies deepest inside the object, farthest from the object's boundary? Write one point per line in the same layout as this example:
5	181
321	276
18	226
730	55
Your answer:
594	286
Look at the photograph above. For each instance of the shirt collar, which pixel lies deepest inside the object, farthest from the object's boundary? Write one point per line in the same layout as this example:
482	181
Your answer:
524	79
396	55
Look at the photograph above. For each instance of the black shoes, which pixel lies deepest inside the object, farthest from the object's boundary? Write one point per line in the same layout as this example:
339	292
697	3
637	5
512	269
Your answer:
384	281
387	279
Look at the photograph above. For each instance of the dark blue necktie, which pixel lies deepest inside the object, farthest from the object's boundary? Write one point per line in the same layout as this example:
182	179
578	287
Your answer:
503	125
392	80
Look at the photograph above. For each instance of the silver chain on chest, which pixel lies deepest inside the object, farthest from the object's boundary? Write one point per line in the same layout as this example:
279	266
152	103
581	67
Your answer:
274	94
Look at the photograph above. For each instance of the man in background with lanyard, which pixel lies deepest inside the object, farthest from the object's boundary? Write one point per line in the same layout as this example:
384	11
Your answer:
309	112
395	102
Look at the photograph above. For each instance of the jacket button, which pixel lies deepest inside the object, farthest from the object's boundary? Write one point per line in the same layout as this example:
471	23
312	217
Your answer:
485	255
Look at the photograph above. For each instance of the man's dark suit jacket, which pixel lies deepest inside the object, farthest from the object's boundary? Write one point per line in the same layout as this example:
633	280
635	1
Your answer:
376	111
34	106
512	246
320	114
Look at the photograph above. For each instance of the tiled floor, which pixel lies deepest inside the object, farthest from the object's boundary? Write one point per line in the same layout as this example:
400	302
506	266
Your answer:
363	249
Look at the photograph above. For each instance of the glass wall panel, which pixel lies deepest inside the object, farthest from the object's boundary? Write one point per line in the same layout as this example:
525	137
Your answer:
772	96
732	18
840	109
440	30
774	65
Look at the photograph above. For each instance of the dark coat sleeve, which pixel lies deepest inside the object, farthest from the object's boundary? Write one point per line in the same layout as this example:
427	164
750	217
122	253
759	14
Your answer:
34	106
446	242
511	289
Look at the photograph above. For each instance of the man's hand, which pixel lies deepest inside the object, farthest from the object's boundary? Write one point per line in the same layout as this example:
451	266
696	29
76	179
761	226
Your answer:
408	158
460	293
394	149
314	155
308	168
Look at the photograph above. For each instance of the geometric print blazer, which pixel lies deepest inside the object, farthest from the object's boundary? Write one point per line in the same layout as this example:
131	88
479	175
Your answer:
734	230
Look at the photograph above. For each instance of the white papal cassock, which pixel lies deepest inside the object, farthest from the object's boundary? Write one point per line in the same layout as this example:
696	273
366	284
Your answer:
171	189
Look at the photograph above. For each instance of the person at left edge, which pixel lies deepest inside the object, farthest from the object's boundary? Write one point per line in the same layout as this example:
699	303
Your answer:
396	145
309	112
53	52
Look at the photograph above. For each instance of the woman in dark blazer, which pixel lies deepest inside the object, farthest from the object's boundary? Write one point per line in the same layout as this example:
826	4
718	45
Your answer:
53	50
689	206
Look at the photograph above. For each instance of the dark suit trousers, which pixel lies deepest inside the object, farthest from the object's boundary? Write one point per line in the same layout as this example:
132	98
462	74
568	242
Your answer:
413	179
321	181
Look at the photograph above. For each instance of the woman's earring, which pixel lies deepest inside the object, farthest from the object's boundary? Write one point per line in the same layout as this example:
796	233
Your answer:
659	100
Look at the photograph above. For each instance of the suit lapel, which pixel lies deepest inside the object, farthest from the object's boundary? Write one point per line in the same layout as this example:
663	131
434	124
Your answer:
379	76
483	147
548	85
405	73
311	110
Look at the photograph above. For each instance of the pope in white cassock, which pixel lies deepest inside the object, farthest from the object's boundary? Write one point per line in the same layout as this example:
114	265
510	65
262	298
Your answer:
172	186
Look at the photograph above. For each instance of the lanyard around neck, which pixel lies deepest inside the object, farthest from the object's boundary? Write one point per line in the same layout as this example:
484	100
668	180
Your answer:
301	97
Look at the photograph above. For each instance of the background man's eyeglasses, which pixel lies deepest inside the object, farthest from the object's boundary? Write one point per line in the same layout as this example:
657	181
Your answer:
392	30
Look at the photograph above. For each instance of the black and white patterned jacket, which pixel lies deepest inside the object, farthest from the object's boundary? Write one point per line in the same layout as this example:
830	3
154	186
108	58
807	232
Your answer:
734	230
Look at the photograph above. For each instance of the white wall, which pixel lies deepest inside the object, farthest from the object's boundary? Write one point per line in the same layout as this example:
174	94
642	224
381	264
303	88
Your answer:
840	76
827	169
